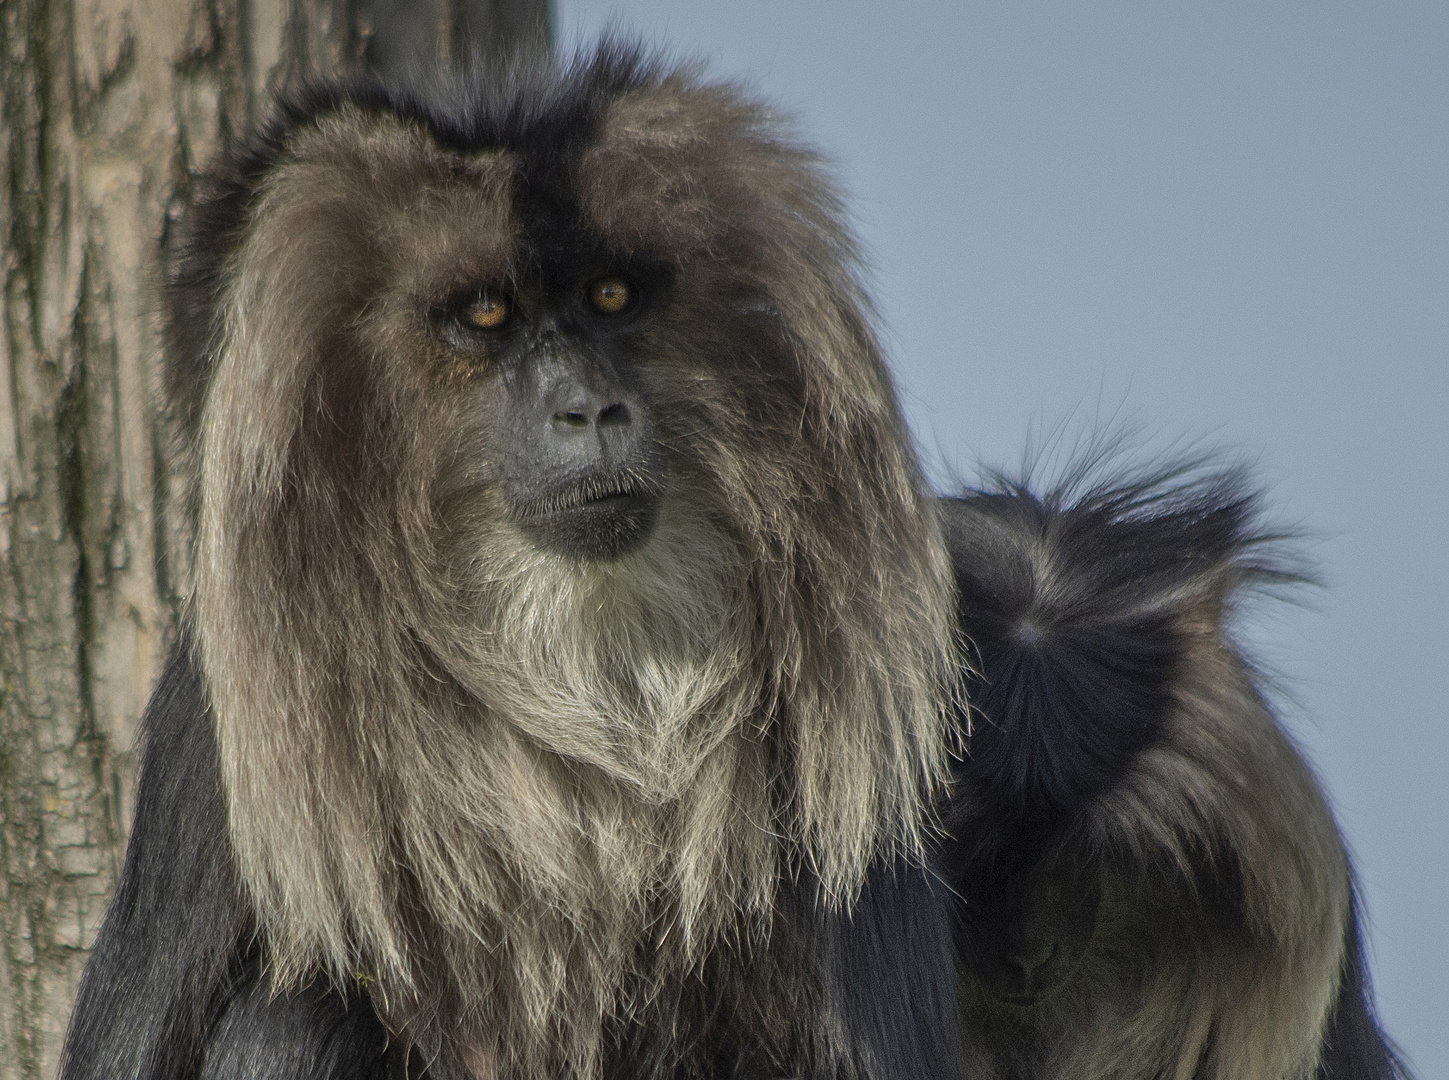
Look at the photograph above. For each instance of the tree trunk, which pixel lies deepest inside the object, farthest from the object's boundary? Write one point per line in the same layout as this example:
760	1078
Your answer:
109	109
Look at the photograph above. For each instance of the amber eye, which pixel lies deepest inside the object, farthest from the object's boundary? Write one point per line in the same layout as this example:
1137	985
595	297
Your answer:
609	295
487	312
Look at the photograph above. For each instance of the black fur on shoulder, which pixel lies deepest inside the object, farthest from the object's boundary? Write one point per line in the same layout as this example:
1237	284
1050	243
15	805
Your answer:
315	1032
176	918
1068	604
174	988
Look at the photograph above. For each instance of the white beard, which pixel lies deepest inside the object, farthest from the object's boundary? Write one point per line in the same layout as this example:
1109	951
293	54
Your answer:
638	666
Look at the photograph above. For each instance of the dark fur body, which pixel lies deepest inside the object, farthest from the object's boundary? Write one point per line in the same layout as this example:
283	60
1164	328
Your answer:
1151	883
441	781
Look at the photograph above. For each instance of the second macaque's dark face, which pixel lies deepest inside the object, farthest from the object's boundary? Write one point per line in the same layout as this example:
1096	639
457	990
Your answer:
1030	931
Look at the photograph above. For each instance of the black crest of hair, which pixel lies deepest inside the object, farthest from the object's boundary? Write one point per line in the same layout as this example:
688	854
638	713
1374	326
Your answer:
1072	602
1068	603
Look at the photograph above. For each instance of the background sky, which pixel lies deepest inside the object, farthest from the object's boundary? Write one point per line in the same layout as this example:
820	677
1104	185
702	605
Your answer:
1227	223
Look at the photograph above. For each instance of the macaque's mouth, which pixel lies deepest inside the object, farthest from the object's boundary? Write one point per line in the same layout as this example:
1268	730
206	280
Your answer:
595	517
591	493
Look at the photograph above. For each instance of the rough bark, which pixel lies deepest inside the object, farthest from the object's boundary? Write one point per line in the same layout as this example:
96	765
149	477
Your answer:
109	110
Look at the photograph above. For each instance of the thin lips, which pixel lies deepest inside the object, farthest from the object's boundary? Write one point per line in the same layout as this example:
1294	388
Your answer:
586	493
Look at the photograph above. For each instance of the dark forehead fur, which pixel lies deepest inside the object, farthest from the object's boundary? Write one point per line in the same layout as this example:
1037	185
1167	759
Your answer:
1113	562
547	115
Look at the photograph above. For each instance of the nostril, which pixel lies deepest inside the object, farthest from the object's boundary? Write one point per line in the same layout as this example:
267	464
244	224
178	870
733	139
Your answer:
571	418
617	413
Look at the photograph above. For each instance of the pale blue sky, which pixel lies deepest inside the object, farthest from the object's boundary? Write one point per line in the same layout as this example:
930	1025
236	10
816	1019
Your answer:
1227	222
